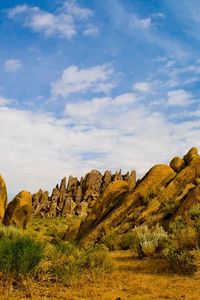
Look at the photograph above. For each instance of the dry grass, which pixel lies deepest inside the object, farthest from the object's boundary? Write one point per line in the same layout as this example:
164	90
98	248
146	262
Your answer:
147	279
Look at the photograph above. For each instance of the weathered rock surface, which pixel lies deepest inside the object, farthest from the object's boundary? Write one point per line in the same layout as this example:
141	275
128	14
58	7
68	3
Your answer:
106	203
177	164
156	178
77	197
19	210
118	202
165	193
3	198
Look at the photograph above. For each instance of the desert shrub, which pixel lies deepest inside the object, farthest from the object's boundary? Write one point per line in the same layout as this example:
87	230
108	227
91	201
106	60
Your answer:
19	256
185	238
148	241
49	228
127	241
194	212
96	258
111	240
169	207
65	247
180	261
10	232
70	263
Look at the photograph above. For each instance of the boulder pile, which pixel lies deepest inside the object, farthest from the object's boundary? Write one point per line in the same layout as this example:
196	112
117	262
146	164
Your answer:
77	197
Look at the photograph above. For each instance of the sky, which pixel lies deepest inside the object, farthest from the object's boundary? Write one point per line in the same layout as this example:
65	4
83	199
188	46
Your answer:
110	84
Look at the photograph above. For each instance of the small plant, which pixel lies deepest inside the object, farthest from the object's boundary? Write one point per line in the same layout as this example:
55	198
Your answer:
111	240
69	262
19	256
185	238
65	247
127	241
148	241
180	261
194	212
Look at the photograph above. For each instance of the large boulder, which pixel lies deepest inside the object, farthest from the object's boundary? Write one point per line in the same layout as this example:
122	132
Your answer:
40	202
3	198
19	210
68	206
177	164
92	185
192	153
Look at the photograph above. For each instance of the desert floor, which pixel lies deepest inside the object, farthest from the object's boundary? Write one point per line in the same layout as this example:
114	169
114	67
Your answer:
146	279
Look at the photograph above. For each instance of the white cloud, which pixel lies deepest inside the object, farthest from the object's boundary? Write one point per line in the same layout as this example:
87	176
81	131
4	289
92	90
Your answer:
4	101
91	30
74	80
12	65
13	12
158	15
64	23
93	110
140	23
143	87
73	9
119	132
179	98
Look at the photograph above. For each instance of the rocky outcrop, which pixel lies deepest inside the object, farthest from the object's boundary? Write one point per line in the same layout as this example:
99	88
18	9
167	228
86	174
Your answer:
3	198
117	202
163	195
77	197
154	180
19	210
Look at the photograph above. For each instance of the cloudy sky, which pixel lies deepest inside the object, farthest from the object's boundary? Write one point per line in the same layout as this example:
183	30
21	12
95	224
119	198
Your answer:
96	85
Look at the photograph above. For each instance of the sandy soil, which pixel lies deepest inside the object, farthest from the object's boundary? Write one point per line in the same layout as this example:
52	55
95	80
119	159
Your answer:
146	279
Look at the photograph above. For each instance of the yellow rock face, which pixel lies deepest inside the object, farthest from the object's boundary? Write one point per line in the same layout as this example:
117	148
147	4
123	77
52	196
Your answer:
154	180
177	164
19	210
3	198
192	153
110	198
191	200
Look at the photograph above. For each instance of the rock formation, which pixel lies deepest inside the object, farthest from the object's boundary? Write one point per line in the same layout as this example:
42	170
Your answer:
117	202
19	210
77	197
3	198
163	195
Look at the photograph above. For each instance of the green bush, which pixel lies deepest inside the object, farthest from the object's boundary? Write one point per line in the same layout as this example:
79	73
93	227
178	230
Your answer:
180	261
185	238
65	247
69	262
111	240
194	212
127	241
19	256
10	232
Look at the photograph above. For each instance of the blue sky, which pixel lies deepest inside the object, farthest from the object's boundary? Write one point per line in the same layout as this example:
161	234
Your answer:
96	84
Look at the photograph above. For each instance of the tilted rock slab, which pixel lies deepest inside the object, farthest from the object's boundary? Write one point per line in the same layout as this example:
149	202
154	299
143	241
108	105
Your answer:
148	187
